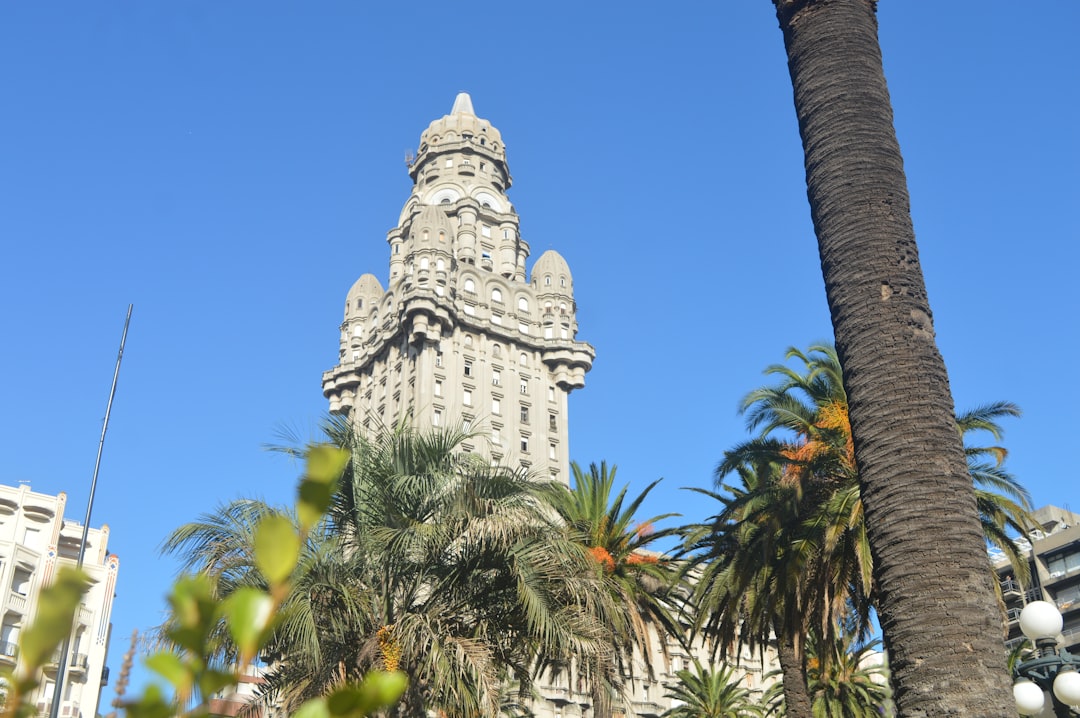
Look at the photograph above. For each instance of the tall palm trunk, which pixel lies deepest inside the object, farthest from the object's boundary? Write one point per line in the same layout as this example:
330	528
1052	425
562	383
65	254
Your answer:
793	668
937	604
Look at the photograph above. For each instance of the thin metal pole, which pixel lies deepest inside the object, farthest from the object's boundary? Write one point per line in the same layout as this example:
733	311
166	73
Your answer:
58	688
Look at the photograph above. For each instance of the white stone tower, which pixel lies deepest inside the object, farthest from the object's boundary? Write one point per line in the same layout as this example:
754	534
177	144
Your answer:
461	334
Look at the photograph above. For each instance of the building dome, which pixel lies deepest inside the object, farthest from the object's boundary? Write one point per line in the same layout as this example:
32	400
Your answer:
551	273
427	225
364	295
461	122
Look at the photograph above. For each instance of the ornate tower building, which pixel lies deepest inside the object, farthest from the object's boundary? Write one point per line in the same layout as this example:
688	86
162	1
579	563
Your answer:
462	333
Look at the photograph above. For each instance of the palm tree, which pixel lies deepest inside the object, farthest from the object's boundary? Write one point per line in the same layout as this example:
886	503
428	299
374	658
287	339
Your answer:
429	562
705	693
798	517
638	583
919	502
852	683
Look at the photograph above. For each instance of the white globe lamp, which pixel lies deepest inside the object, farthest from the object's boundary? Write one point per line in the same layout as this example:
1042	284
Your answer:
1028	696
1040	620
1067	687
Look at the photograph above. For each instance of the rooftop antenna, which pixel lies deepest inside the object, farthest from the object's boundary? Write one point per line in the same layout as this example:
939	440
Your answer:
58	687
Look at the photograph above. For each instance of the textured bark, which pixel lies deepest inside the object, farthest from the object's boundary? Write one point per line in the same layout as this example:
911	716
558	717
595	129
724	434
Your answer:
796	691
937	605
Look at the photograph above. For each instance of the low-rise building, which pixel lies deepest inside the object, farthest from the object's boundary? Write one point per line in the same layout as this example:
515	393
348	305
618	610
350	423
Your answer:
35	541
1052	552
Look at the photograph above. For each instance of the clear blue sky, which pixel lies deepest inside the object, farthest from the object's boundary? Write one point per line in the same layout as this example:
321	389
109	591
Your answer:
232	168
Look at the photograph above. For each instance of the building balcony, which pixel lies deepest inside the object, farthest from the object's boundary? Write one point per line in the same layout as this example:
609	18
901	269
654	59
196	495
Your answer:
78	663
16	602
646	709
1010	589
1013	615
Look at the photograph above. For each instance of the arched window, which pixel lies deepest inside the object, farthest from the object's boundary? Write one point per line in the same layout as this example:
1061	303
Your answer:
523	359
468	340
547	280
442	235
523	304
496	295
562	281
440	264
470	286
496	350
425	234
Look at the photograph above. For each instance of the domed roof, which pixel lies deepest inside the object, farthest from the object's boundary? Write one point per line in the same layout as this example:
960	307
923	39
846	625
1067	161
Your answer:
367	288
551	263
462	118
434	219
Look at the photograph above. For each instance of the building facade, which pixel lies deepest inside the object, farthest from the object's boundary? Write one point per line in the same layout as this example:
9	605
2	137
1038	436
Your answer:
35	541
1052	552
463	333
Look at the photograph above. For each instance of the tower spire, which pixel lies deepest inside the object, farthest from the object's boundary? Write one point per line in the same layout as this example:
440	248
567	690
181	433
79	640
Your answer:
462	105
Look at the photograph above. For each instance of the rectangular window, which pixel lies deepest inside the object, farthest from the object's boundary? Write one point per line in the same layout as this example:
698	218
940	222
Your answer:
551	422
485	230
525	444
496	439
438	388
468	367
524	415
496	405
438	358
466	423
470	310
551	393
436	418
551	451
524	386
496	377
449	162
496	319
523	327
466	397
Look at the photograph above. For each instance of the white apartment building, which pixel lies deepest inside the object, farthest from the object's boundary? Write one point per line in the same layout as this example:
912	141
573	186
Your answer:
35	541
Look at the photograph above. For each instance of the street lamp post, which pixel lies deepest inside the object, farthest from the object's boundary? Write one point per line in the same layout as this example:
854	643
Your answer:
1053	670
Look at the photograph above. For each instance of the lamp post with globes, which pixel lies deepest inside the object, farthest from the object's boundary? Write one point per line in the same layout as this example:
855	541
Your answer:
1053	670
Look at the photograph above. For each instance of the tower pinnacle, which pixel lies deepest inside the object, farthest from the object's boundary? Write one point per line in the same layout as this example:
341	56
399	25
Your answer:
463	105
